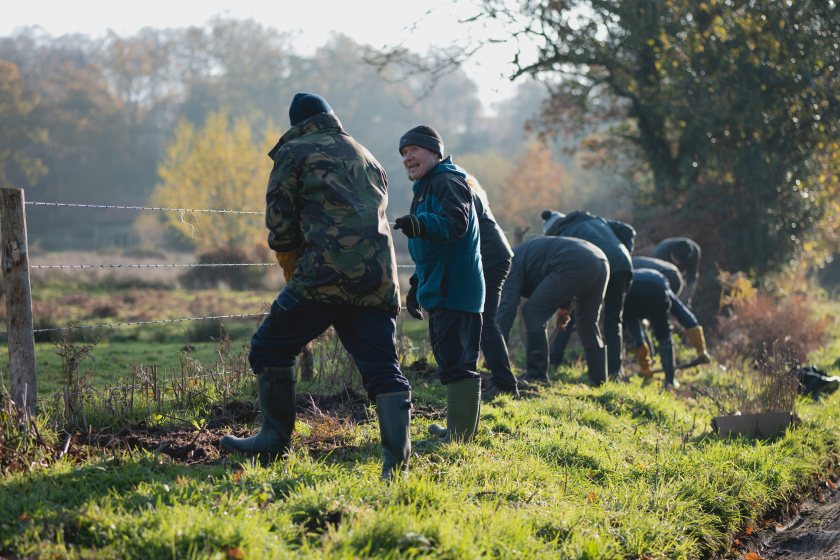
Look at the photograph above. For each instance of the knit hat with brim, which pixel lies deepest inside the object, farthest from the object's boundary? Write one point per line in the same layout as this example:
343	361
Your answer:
550	217
425	137
305	105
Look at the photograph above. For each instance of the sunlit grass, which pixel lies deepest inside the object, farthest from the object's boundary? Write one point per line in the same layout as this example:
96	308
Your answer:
615	472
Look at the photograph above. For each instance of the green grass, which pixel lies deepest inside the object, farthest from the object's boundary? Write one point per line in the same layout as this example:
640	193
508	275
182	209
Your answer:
616	472
115	353
622	471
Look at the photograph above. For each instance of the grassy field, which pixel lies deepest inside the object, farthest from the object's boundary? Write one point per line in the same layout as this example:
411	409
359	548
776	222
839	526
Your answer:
622	471
616	472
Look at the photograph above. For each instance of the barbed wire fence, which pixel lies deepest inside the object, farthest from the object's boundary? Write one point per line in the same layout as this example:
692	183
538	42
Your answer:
20	333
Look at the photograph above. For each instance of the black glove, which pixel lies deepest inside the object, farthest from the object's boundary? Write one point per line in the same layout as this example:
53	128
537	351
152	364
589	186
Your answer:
411	303
410	226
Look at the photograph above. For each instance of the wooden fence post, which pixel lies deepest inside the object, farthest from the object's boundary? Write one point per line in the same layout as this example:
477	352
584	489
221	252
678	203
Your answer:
19	328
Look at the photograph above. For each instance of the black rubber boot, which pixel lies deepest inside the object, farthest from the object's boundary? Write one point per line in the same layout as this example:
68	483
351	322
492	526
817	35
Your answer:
277	404
596	365
666	356
463	404
394	411
536	360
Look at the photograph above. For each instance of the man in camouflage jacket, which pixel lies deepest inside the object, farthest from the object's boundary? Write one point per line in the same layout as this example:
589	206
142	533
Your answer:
325	214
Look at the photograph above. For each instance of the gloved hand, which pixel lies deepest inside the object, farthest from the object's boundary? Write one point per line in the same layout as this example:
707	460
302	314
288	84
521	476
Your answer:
287	260
562	319
410	225
411	303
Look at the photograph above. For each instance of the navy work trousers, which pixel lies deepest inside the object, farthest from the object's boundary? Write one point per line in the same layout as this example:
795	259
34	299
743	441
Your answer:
368	334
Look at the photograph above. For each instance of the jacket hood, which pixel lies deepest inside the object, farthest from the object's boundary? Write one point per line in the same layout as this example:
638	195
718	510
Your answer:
560	220
321	121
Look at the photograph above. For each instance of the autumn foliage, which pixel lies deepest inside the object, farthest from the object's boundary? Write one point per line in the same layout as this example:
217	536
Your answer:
789	326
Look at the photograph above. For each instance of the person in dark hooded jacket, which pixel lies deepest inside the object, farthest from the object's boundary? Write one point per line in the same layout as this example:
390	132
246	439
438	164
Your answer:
615	239
668	269
685	254
650	298
496	257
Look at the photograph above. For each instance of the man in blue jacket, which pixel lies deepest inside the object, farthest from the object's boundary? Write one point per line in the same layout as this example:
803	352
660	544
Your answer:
443	240
615	239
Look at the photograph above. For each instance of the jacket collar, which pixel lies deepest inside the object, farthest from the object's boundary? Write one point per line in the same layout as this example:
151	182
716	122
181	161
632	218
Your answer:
317	123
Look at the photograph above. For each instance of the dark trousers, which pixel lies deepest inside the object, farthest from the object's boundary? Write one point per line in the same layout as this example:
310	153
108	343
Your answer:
654	308
584	284
493	346
368	334
455	338
557	346
617	288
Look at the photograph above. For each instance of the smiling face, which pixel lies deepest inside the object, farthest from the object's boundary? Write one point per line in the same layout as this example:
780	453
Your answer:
418	161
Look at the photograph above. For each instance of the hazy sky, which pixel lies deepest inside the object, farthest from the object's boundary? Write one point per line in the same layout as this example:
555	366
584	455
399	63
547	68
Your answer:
416	24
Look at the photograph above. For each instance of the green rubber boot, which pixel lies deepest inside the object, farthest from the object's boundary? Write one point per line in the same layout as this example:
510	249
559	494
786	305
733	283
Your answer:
277	404
463	403
394	411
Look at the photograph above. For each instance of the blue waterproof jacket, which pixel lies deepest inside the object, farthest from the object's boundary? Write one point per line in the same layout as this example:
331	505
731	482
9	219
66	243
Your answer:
447	257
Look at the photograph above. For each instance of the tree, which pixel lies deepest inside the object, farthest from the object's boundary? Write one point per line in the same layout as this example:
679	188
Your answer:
725	102
221	167
17	135
518	190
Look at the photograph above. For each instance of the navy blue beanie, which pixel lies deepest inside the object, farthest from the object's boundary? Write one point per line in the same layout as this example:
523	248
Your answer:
305	105
425	137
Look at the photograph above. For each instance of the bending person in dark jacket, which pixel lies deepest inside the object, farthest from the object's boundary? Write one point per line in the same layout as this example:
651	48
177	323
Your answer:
552	273
496	256
443	240
668	269
651	298
615	239
685	254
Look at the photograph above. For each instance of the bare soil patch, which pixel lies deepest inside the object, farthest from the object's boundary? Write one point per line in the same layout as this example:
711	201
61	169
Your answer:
329	417
809	530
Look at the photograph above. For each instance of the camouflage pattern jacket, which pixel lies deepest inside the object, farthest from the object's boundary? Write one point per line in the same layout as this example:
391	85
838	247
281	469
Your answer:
326	198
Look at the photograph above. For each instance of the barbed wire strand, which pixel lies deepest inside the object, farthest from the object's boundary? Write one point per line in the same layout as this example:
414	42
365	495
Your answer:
173	265
152	322
149	208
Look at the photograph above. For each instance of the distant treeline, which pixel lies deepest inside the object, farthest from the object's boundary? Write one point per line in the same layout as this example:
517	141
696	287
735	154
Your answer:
108	107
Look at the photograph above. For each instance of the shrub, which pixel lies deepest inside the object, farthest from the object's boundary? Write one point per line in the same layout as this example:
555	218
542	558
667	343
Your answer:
789	326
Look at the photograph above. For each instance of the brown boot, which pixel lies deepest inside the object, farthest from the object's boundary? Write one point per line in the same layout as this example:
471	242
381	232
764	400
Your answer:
698	342
643	359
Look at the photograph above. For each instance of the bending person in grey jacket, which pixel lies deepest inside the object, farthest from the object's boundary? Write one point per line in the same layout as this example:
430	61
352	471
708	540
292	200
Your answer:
552	273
